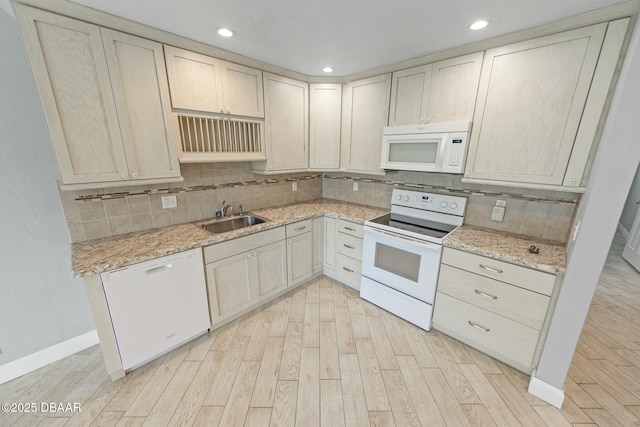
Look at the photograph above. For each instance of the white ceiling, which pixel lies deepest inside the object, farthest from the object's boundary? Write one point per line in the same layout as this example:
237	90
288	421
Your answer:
351	36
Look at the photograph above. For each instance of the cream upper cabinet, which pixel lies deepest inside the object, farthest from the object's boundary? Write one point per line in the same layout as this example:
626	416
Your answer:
286	125
202	83
104	96
365	111
444	91
325	115
527	127
410	96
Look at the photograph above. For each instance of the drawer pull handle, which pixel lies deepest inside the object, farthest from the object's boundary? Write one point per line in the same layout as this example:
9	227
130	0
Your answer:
301	228
475	325
348	246
491	269
350	228
347	269
483	294
157	269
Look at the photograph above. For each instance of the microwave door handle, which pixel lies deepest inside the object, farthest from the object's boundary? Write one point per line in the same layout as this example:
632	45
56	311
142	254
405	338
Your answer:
442	151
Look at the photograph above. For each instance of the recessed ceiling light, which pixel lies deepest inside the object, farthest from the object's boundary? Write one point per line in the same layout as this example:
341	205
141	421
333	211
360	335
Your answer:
225	32
478	25
327	70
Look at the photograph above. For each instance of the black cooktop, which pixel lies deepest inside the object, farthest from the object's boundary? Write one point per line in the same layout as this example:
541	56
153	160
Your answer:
420	226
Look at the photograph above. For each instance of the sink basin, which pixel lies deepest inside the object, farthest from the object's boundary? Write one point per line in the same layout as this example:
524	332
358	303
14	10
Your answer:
223	225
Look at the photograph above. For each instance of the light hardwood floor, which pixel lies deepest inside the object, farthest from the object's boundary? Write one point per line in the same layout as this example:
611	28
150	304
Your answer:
321	356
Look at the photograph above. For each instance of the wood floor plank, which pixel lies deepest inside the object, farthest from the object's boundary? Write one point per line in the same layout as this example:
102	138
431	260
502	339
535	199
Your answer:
344	331
400	400
290	363
478	415
313	292
170	399
308	407
133	384
381	419
327	312
358	319
608	402
486	363
187	411
200	347
459	384
423	401
311	330
579	395
515	401
329	360
331	404
209	416
95	404
258	340
551	416
285	404
353	395
339	295
235	411
224	336
281	317
265	389
381	343
298	301
258	417
419	348
573	413
394	327
247	323
226	376
451	411
605	380
372	381
131	422
457	350
602	417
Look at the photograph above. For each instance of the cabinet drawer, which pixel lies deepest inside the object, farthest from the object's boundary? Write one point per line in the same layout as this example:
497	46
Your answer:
350	228
348	270
232	247
521	305
349	246
523	277
298	228
509	341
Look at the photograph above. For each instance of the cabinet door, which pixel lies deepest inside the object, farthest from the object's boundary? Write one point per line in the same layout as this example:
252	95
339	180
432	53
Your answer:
365	112
330	243
141	92
454	87
70	69
271	268
229	283
242	89
318	244
195	80
530	102
410	96
286	122
299	258
325	112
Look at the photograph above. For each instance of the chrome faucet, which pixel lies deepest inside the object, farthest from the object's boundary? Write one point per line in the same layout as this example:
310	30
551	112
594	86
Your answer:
223	210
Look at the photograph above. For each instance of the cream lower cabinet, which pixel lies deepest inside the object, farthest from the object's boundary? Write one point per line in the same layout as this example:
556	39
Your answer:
365	111
243	273
318	245
329	233
106	101
439	92
539	105
348	253
299	251
286	125
496	307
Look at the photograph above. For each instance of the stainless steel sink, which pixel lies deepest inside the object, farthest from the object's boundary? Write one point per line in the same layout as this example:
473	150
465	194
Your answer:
223	225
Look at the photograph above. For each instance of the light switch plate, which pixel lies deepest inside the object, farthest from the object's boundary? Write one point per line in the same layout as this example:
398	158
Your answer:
355	186
294	186
169	202
497	214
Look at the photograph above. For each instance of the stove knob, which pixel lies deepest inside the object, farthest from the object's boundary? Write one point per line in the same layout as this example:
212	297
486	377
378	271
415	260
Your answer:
453	205
405	198
398	197
443	204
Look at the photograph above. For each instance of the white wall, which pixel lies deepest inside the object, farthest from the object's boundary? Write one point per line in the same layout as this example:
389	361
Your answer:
40	303
630	206
613	171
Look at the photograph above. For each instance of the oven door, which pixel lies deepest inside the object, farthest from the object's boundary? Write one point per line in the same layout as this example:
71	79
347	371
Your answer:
408	265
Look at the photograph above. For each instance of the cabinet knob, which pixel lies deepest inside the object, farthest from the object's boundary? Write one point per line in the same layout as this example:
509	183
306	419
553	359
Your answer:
134	175
250	255
125	176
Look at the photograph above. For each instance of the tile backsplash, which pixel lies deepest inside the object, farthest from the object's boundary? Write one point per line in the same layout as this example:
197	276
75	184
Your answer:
93	214
538	213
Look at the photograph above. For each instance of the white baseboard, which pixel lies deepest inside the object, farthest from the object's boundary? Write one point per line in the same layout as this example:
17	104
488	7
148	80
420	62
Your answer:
623	231
26	364
545	391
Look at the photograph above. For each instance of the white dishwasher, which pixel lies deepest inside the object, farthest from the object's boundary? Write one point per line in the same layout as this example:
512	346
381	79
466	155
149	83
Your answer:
157	305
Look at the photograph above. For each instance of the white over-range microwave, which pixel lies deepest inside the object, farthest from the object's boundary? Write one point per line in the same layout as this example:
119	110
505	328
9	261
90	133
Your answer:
433	147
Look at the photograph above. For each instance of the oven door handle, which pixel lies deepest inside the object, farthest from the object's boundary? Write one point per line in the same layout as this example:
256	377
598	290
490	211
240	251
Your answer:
400	236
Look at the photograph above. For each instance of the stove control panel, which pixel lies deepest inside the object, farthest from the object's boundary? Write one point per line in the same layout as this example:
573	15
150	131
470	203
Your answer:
444	203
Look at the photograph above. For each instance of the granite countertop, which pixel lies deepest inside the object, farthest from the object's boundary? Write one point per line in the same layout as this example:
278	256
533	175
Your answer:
97	256
513	248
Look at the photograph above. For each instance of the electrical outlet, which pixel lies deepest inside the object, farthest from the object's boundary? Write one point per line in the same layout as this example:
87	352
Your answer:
294	186
355	186
501	203
169	202
497	214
